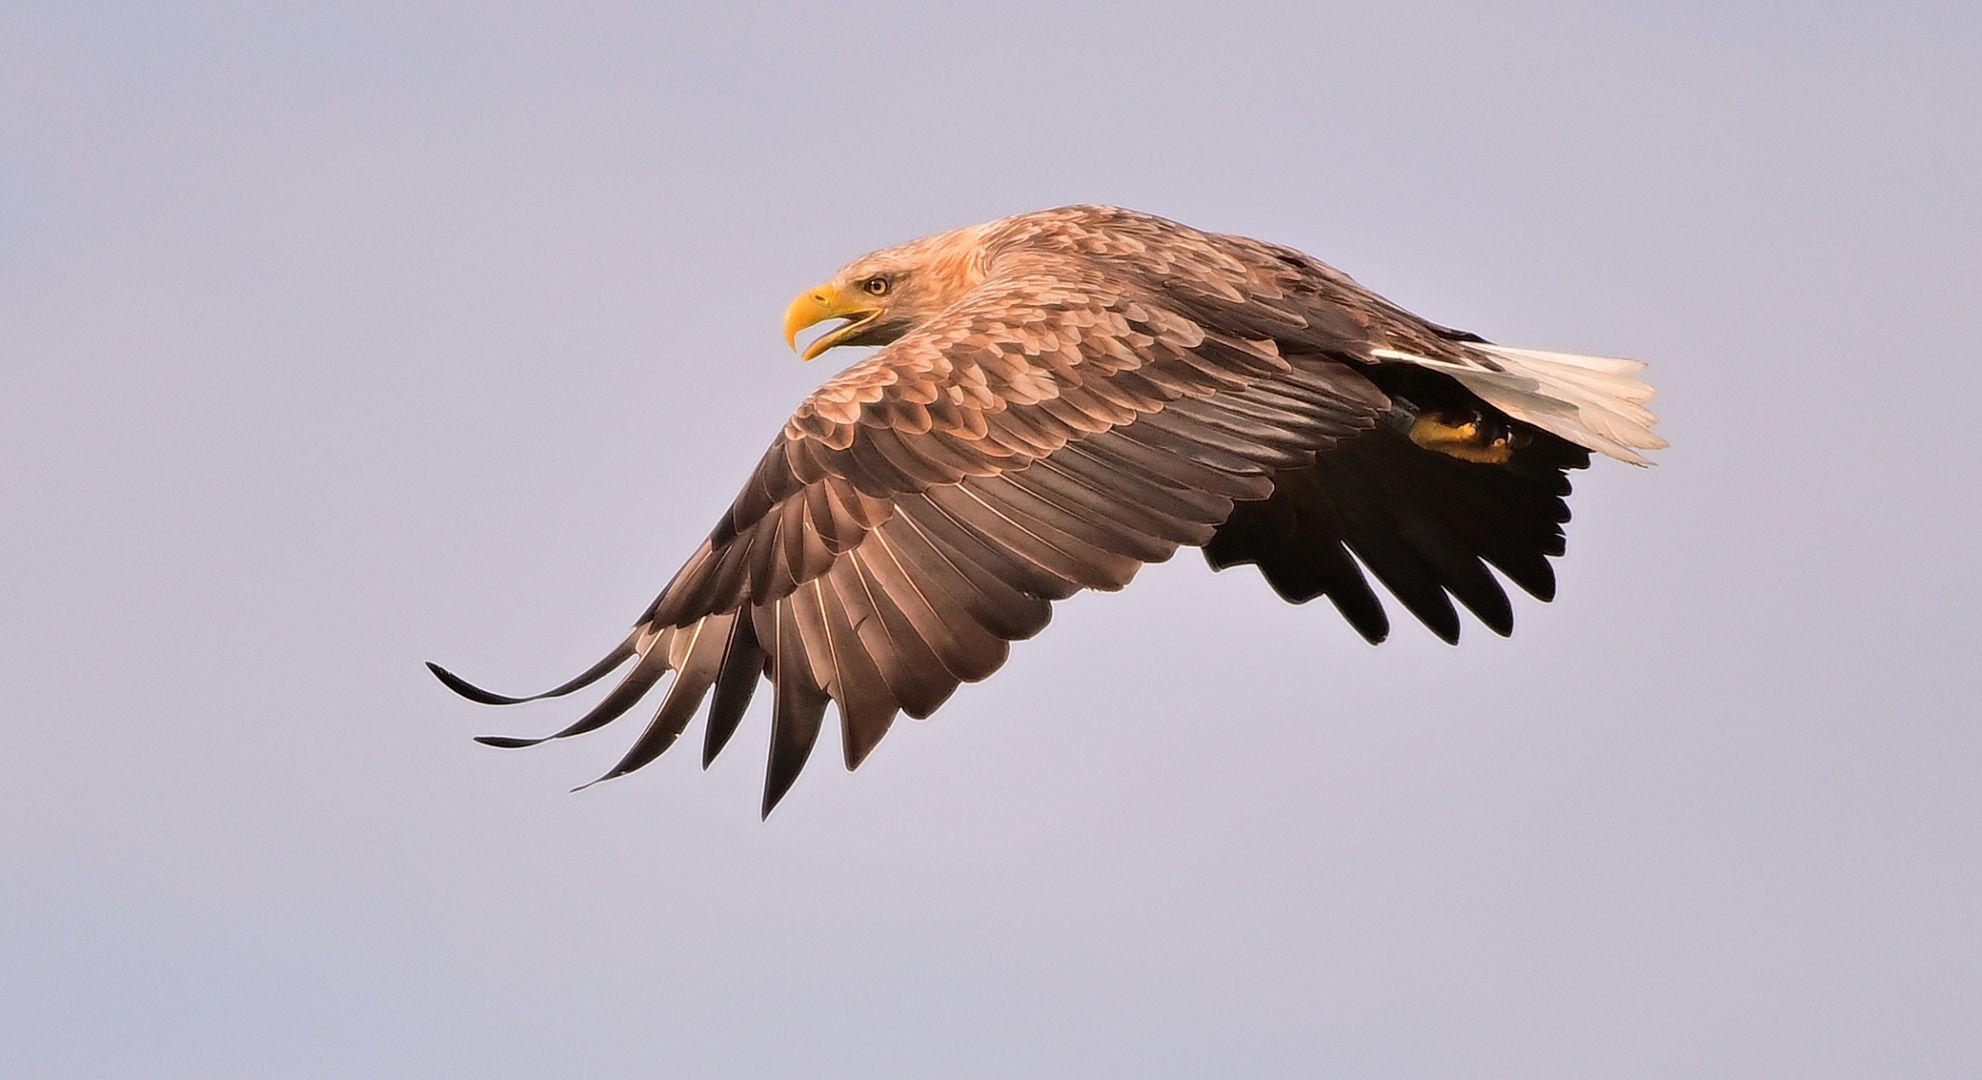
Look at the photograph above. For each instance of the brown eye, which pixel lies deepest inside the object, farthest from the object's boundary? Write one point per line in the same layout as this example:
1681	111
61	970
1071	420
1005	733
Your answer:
875	286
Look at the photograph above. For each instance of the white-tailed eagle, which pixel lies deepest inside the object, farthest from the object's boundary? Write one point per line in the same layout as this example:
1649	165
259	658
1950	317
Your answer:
1062	396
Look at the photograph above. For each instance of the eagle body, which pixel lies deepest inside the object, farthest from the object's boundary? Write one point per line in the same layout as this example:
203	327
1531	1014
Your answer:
1062	396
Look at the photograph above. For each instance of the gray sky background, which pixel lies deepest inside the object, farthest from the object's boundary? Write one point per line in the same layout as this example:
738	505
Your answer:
338	338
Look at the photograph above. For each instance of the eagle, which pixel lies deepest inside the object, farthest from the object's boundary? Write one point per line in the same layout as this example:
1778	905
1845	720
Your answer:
1057	398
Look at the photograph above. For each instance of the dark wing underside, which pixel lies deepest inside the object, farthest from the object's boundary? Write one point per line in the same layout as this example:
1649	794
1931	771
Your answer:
1055	431
1425	524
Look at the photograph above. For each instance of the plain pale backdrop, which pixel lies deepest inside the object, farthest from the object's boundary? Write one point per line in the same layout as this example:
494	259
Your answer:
336	338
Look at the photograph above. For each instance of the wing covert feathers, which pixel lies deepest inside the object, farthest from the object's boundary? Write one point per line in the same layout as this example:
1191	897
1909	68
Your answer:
1114	387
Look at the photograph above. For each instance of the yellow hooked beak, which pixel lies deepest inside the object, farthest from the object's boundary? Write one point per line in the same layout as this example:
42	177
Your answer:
818	305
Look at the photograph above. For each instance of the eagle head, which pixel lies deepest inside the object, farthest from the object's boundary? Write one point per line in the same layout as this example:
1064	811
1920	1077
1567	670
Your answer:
888	293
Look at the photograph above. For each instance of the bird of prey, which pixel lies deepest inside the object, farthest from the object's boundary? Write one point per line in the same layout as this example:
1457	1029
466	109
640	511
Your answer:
1062	396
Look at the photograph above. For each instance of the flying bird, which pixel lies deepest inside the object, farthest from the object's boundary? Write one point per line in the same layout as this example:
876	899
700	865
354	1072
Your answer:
1062	396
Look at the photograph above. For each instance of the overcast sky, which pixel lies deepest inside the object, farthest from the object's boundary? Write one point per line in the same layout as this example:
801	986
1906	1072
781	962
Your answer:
336	338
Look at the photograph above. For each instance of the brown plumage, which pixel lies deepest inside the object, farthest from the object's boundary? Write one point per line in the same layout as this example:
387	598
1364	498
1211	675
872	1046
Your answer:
1063	396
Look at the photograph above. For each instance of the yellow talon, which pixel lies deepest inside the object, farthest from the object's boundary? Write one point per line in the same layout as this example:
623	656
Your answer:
1463	441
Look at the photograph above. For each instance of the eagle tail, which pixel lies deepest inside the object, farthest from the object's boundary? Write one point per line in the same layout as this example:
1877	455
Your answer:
1593	401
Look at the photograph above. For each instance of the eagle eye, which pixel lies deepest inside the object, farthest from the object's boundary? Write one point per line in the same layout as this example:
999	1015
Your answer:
876	286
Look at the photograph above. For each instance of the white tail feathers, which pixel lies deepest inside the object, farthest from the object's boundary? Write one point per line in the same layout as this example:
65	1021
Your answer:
1592	401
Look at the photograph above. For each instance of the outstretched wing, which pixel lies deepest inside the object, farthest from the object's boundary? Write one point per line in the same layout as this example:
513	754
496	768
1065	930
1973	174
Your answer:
1053	431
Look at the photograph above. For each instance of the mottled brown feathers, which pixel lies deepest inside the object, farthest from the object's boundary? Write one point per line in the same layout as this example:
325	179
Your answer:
1065	396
